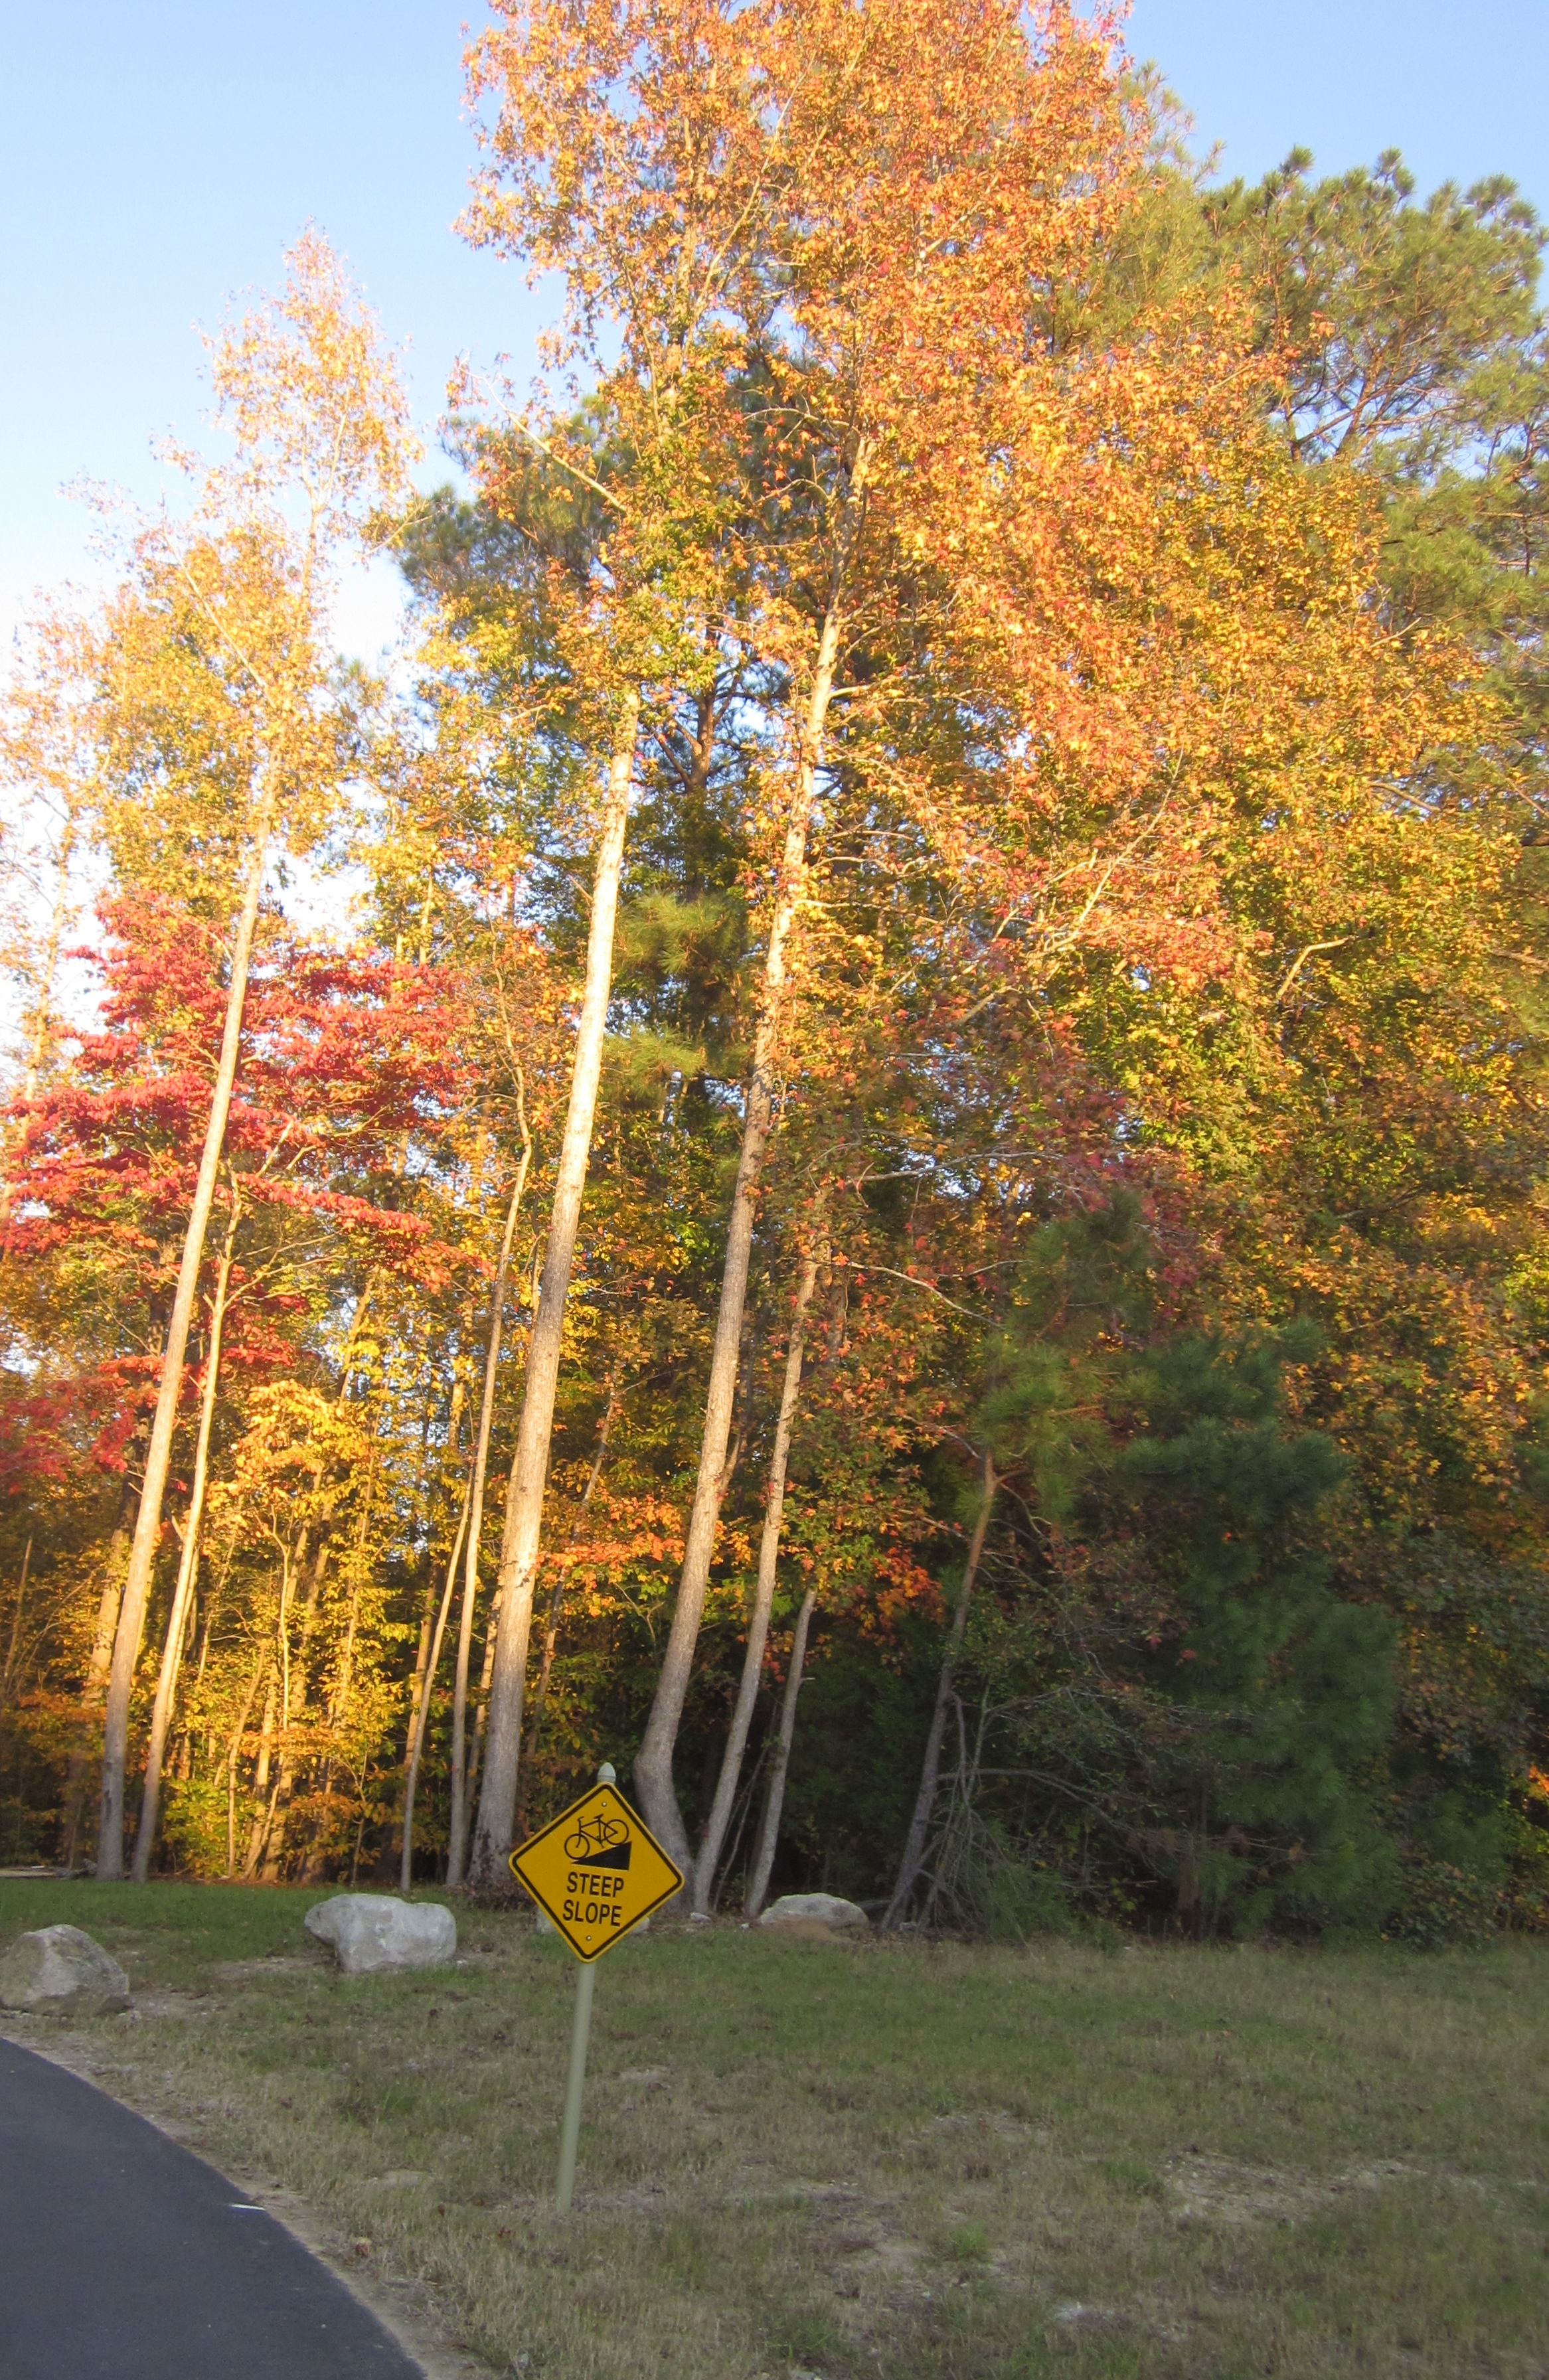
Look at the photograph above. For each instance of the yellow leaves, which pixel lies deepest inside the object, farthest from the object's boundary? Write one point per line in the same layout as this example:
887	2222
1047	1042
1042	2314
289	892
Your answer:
207	713
294	1436
309	396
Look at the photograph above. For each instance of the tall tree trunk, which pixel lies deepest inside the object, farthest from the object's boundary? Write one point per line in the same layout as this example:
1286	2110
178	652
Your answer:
481	1705
322	1555
264	1811
148	1525
930	1773
653	1776
702	1877
524	1502
774	1801
187	1568
421	1717
276	1820
95	1685
456	1842
557	1601
434	1594
234	1752
15	1646
338	1702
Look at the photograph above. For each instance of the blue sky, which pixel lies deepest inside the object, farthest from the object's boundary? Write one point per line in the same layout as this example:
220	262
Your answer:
155	156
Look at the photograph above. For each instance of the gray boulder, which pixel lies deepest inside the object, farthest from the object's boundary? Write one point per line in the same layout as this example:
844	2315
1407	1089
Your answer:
814	1908
60	1968
370	1931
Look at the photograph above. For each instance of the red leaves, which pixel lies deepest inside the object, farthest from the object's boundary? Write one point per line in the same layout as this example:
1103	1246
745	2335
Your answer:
350	1060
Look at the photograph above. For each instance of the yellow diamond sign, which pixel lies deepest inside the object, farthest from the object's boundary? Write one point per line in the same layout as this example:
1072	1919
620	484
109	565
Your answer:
596	1871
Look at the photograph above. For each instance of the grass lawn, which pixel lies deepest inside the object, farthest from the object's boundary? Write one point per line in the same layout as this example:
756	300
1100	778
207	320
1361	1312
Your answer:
817	2156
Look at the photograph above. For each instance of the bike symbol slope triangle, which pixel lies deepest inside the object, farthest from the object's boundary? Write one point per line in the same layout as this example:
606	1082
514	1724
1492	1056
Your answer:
597	1870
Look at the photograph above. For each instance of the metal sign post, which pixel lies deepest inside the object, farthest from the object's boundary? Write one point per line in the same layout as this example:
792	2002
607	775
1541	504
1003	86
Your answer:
569	2130
596	1872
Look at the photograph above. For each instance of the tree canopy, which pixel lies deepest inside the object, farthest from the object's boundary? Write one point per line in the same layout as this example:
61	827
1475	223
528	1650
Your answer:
928	1092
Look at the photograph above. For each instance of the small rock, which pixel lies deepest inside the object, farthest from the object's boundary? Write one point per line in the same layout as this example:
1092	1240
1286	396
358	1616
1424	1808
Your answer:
370	1931
814	1908
59	1967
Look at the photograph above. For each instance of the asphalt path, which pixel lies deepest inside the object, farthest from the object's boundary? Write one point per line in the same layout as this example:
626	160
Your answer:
123	2257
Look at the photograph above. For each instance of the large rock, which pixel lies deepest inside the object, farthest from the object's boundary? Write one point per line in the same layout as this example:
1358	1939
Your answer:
814	1908
369	1931
61	1968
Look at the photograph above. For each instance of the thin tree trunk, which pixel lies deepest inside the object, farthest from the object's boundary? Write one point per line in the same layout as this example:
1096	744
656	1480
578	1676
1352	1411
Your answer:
702	1877
481	1703
260	1826
422	1718
456	1842
557	1601
274	1836
434	1594
15	1623
234	1754
930	1773
524	1501
187	1568
148	1525
344	1683
653	1776
769	1824
97	1666
323	1551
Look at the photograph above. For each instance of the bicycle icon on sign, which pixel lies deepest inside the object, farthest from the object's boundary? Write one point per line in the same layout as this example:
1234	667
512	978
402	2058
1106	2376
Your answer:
593	1837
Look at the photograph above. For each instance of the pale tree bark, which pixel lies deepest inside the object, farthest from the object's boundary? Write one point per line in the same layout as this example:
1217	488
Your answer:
187	1568
421	1717
234	1752
774	1799
148	1525
435	1593
522	1533
557	1601
95	1686
15	1646
930	1772
94	1691
701	1879
263	1810
481	1708
300	1666
653	1776
457	1844
273	1841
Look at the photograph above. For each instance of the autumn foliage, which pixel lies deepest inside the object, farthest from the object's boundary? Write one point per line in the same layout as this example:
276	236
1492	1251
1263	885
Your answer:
1061	1268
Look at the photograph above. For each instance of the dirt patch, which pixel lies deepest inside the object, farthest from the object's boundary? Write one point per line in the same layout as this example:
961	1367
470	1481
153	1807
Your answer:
243	1971
1218	2189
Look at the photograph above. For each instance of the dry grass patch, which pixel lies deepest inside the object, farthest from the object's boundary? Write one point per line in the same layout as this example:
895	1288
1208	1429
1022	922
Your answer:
851	2158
